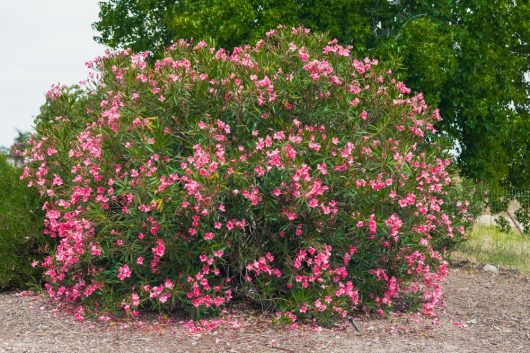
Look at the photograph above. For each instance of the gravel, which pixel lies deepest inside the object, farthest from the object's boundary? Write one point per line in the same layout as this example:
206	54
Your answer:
483	313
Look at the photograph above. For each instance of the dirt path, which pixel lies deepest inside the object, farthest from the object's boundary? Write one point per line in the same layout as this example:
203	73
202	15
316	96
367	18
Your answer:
496	309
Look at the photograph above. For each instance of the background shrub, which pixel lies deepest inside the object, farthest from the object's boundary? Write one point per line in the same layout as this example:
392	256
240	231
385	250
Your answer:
21	223
286	173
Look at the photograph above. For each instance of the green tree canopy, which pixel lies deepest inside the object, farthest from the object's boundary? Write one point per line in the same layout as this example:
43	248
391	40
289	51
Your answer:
469	57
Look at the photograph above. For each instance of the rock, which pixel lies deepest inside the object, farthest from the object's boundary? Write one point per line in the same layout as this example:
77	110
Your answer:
490	268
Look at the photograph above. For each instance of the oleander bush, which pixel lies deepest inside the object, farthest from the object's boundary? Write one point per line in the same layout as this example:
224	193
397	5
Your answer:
287	174
21	239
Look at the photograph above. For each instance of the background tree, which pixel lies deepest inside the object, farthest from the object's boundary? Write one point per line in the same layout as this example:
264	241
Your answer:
19	143
469	58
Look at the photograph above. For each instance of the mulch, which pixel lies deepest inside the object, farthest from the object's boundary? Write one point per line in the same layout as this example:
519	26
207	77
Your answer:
483	312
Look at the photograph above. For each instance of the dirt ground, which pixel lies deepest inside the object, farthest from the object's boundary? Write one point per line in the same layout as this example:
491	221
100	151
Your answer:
484	312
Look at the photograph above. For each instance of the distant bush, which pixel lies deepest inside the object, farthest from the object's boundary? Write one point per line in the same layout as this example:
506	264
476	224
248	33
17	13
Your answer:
21	225
288	174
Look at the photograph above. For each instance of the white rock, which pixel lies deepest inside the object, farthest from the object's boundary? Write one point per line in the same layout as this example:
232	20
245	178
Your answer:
490	268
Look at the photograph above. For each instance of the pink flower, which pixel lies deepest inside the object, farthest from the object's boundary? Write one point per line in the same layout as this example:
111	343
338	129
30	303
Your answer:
402	88
218	253
124	272
160	248
302	54
363	115
321	167
79	314
135	299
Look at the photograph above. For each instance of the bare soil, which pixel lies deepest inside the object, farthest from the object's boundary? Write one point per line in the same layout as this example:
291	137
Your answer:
483	312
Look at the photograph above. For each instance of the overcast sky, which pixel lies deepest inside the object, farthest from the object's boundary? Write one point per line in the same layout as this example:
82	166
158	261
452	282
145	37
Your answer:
41	42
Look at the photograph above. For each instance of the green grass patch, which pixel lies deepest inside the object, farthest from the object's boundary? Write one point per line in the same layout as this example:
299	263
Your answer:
489	245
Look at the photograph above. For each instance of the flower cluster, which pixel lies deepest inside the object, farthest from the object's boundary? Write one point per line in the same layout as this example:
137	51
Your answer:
286	172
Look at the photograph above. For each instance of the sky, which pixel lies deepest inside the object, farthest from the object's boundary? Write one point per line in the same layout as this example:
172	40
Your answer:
41	42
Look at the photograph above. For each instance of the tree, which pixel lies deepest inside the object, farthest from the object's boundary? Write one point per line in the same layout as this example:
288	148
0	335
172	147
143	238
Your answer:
19	142
469	58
